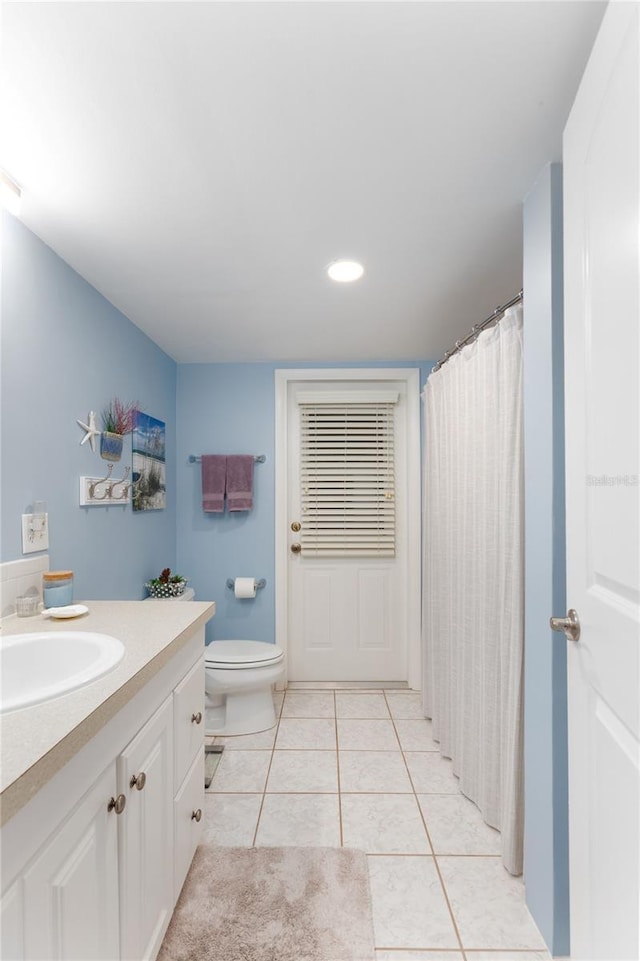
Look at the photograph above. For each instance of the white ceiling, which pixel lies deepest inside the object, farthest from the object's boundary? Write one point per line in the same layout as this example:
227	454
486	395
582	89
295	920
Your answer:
201	163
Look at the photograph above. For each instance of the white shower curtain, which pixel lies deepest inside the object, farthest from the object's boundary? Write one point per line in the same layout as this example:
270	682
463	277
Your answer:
473	596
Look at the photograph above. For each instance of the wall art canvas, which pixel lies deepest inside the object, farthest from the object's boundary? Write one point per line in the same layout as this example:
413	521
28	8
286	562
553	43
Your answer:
149	478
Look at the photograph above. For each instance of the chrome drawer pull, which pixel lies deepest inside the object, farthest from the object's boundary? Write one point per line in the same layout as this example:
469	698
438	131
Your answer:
196	815
196	718
138	781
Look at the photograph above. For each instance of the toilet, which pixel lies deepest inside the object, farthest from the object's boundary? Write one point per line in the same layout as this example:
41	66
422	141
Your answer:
238	680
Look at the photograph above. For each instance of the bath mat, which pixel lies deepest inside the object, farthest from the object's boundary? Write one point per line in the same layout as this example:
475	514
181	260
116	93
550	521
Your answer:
273	904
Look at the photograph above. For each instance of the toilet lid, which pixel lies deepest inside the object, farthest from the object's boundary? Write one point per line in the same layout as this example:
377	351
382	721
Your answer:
242	653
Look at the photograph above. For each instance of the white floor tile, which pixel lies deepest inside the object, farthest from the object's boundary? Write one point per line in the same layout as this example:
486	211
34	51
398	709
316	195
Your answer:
488	904
361	705
263	741
405	704
309	771
383	824
409	908
370	772
372	735
241	772
443	955
230	819
456	826
415	735
311	704
299	819
508	956
431	773
310	734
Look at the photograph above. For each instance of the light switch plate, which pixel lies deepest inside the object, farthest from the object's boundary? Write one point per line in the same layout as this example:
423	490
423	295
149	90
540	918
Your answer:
34	540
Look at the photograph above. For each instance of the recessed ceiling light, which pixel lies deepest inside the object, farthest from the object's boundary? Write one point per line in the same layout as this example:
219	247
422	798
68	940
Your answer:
344	271
10	193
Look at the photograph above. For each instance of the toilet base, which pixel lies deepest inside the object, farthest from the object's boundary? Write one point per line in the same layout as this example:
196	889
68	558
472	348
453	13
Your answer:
240	713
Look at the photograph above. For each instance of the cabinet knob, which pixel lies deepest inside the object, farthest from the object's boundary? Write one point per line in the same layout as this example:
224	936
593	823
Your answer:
117	804
138	780
196	718
196	815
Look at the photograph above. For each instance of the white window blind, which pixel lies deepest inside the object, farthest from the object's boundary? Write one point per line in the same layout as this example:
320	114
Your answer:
347	478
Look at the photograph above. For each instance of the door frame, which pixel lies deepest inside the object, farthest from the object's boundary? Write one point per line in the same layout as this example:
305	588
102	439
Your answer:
411	378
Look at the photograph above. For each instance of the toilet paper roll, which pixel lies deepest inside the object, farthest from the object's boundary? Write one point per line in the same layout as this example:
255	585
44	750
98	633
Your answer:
244	587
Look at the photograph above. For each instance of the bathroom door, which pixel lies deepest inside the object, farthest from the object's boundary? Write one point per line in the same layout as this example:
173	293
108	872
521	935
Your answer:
349	618
602	307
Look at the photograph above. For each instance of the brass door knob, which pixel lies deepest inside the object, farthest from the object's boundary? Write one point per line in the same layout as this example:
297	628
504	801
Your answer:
117	804
138	781
196	718
295	527
296	548
196	815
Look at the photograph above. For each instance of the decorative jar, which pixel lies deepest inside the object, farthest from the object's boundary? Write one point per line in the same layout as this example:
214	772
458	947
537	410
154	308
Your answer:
57	588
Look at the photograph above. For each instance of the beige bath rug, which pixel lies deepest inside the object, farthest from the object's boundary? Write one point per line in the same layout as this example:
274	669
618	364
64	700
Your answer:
273	904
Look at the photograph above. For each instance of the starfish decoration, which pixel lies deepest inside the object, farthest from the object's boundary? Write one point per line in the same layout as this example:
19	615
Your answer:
91	432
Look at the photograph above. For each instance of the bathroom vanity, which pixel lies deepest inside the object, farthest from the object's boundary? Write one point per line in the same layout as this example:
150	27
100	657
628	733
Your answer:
103	792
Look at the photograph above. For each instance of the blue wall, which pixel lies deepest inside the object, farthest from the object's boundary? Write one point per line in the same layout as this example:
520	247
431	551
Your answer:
66	350
230	409
546	797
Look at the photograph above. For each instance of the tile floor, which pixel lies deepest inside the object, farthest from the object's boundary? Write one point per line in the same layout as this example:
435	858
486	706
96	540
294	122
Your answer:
358	768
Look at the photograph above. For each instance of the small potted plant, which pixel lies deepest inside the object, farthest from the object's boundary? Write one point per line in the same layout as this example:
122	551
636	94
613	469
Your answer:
167	585
117	420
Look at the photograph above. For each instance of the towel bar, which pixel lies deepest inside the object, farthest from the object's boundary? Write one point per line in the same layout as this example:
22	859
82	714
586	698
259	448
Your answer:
258	458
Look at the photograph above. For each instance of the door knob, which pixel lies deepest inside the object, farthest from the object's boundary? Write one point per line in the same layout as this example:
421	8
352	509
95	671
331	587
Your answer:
295	527
196	815
117	804
196	718
569	625
138	781
296	548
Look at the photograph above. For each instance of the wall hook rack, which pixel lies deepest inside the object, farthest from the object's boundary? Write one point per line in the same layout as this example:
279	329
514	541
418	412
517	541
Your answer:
93	487
106	491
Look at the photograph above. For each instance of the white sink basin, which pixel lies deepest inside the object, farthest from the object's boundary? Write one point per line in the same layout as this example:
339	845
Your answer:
36	667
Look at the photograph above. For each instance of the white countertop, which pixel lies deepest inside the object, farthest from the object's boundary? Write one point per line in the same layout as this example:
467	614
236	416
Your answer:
36	741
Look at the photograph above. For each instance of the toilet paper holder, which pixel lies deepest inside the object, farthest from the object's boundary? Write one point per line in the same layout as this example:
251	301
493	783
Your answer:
259	584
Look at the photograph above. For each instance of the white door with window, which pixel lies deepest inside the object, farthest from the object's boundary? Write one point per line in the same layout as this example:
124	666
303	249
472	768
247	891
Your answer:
348	524
602	310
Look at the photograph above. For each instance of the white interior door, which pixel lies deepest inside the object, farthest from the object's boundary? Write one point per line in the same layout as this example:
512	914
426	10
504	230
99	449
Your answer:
351	618
602	308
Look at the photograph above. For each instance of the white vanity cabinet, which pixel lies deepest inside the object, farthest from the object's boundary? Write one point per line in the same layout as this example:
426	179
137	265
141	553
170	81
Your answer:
93	864
145	836
188	804
70	888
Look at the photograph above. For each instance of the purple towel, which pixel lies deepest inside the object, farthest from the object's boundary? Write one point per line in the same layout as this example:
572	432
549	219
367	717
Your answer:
214	473
240	482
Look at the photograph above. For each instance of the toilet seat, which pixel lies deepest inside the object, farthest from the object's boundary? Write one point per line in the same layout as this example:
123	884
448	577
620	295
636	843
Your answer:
238	655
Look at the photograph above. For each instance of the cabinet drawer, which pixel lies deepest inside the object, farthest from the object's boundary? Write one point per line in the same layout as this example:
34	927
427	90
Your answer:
187	830
188	705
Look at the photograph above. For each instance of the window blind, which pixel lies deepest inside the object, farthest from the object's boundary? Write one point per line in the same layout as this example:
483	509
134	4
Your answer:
347	479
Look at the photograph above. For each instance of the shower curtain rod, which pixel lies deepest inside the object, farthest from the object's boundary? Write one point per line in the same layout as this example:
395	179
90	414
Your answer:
497	315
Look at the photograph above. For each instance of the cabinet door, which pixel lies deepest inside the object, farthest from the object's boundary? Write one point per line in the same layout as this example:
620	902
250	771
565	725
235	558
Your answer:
188	714
12	924
71	887
145	839
189	820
